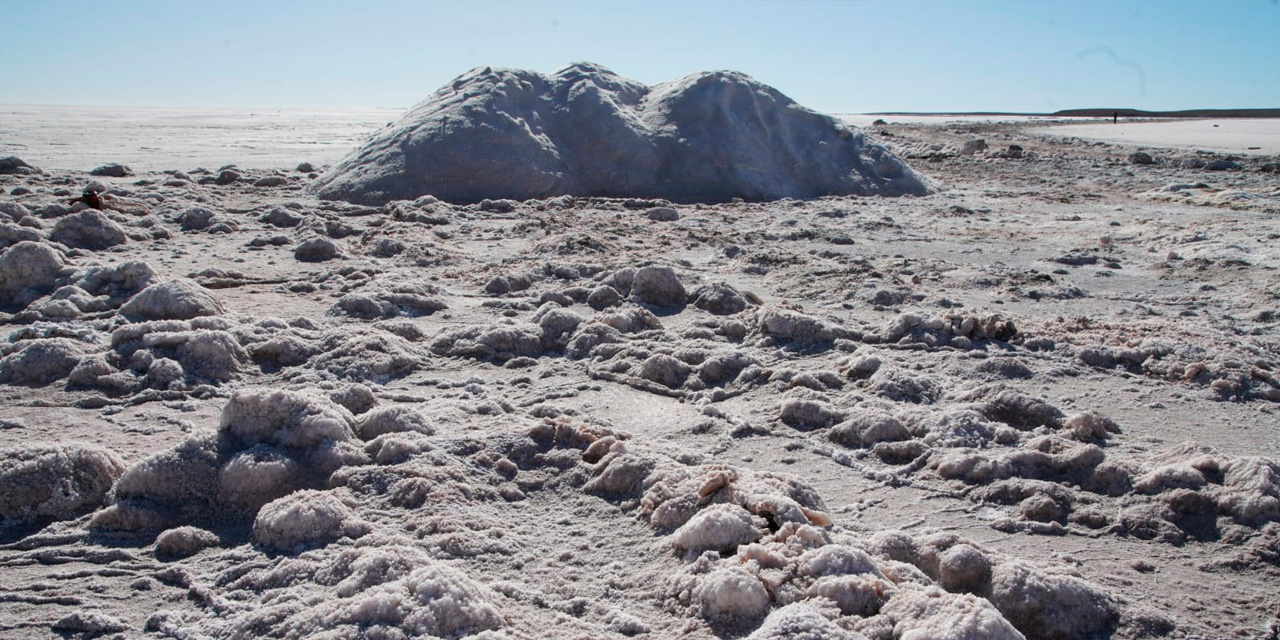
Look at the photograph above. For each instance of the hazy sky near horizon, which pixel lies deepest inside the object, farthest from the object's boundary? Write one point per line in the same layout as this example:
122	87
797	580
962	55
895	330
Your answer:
835	56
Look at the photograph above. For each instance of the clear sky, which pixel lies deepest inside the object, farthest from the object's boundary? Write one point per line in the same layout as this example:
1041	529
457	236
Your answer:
850	56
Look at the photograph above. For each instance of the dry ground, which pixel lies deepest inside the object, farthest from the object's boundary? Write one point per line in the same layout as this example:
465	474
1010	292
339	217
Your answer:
1019	360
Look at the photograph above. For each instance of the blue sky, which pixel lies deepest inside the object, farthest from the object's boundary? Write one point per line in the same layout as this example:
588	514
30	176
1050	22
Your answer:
837	56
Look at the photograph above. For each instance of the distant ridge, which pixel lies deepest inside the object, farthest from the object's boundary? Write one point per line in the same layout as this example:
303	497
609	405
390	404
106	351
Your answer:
1101	113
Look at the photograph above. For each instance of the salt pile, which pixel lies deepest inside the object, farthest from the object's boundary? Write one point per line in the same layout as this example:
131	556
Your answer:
585	131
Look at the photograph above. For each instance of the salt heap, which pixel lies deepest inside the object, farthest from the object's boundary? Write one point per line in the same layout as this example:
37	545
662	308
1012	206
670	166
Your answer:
585	131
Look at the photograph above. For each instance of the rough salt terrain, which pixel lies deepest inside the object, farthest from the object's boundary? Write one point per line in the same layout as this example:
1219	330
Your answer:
1040	402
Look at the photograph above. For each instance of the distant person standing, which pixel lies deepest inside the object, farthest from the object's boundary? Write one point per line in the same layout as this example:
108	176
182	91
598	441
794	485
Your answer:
1115	117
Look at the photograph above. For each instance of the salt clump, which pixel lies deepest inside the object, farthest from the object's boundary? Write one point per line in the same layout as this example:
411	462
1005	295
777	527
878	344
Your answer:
385	589
88	229
800	622
28	270
1050	606
284	418
720	299
389	301
112	170
59	481
181	542
270	444
732	592
658	286
317	249
803	330
14	210
720	527
11	234
89	624
179	299
934	613
868	428
304	519
392	419
184	475
258	475
364	355
15	166
39	362
103	287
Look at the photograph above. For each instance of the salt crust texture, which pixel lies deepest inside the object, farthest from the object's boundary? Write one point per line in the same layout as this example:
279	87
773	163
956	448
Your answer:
387	588
951	434
585	131
753	550
319	484
624	342
172	336
737	575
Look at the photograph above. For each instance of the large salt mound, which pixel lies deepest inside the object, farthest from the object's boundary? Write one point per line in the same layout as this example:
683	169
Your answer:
707	137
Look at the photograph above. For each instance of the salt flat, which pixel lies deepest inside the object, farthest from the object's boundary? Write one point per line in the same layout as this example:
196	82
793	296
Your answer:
156	139
1227	135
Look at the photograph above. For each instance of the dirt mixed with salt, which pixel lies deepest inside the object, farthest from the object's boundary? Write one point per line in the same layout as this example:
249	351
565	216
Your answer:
1038	403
